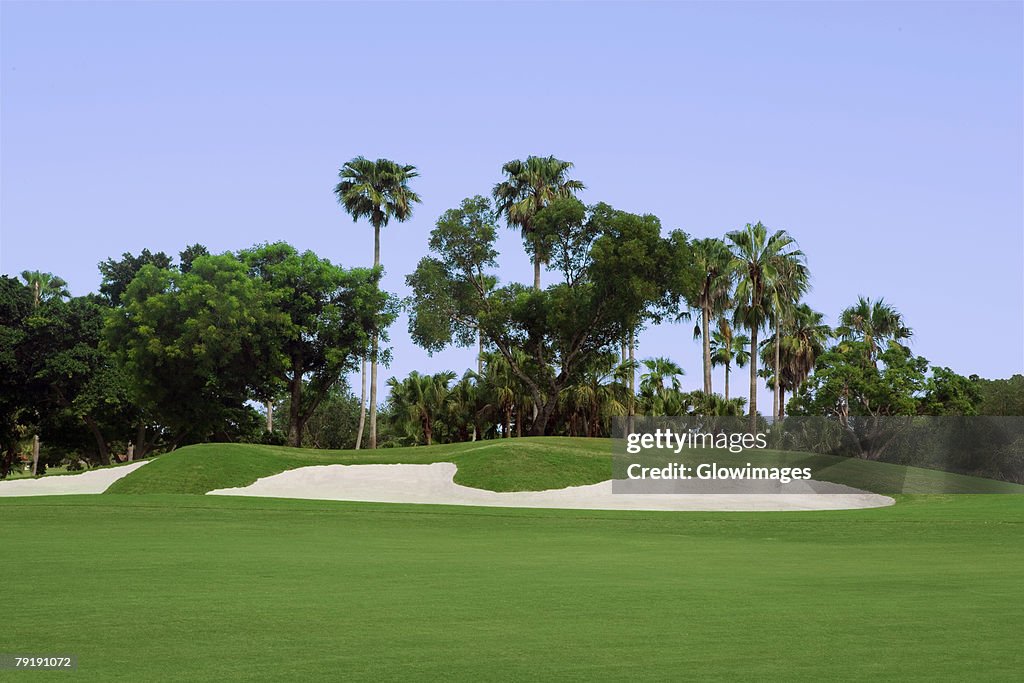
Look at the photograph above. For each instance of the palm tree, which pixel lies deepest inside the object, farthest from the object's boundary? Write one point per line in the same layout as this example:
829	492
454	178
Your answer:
714	405
789	285
377	190
420	398
806	340
661	374
712	258
728	348
500	388
803	339
872	322
464	405
660	387
45	286
760	261
529	186
589	404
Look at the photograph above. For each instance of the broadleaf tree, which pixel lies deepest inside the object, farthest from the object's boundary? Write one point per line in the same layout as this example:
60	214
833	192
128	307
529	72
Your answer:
615	267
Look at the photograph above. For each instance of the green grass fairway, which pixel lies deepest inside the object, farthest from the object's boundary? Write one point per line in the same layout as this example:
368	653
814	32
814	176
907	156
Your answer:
528	464
169	585
179	587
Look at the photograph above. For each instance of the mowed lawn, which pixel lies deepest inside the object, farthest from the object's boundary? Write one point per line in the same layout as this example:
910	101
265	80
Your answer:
182	587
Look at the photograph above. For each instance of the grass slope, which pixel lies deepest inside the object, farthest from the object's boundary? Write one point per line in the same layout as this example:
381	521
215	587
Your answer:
527	464
498	465
174	587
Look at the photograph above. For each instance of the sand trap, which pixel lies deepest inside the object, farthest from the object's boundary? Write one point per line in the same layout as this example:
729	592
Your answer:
93	481
433	484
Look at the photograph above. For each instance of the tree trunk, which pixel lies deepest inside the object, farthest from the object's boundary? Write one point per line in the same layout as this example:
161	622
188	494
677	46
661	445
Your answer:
782	403
101	443
362	407
270	416
536	271
539	426
727	381
35	454
428	431
8	459
632	380
373	352
753	379
777	398
480	352
140	440
705	324
373	395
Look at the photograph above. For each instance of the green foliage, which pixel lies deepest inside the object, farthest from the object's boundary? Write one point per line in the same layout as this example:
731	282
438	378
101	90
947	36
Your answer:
948	393
81	394
448	289
332	425
529	186
328	316
196	346
1000	396
376	190
45	287
561	226
874	322
417	401
117	275
189	254
16	303
614	268
848	382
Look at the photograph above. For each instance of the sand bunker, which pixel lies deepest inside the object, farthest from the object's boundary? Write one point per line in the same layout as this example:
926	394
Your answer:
433	484
93	481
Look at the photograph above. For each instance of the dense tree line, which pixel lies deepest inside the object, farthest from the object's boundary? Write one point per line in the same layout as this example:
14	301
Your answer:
175	351
171	354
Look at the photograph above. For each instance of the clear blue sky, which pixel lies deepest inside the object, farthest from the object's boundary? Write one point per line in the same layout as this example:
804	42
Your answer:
887	138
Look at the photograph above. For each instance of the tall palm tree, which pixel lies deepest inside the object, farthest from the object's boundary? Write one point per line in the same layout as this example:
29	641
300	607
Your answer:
872	322
711	257
379	191
529	186
45	286
728	348
803	339
806	340
760	260
790	283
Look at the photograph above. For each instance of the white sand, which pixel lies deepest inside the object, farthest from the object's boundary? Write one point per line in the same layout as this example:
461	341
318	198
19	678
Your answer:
433	484
93	481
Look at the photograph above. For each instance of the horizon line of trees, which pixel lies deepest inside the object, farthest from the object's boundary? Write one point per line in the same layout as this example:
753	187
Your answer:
171	353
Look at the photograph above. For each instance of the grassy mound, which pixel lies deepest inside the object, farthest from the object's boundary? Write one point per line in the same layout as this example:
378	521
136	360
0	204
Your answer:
498	465
527	464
